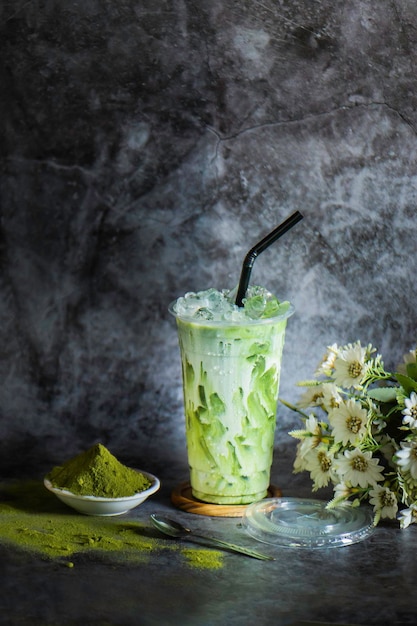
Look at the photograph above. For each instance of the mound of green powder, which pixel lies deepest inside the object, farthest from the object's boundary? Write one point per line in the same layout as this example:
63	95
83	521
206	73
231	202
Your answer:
97	472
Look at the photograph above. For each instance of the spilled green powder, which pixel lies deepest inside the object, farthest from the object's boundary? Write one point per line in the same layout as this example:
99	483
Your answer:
97	472
33	519
203	559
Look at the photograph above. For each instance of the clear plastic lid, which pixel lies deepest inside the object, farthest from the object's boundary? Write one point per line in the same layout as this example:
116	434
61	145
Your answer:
300	523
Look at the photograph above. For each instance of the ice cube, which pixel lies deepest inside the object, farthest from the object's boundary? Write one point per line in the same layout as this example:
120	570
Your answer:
203	313
211	304
254	306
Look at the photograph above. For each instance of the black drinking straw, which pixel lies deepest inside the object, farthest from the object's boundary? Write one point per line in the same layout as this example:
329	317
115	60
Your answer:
249	259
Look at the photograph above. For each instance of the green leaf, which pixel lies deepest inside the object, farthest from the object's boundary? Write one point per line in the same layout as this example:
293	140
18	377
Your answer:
298	434
412	370
383	394
407	383
309	383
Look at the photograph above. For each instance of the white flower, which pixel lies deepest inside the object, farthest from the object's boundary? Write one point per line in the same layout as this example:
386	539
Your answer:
348	422
387	447
365	446
410	412
312	397
410	357
359	468
326	365
342	491
349	366
384	502
311	436
408	516
320	463
331	396
299	462
407	457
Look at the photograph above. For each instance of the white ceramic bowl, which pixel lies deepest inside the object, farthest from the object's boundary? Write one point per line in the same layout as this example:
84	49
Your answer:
90	505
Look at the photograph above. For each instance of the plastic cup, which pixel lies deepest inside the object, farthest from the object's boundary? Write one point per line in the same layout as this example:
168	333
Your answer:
231	373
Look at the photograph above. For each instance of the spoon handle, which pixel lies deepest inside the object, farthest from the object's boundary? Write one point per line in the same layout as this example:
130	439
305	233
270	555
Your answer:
234	547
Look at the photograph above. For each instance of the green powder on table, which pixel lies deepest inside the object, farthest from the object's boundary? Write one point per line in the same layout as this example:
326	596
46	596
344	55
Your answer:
33	519
203	559
97	472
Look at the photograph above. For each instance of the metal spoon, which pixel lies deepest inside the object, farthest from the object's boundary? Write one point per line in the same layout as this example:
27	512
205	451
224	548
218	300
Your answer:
174	529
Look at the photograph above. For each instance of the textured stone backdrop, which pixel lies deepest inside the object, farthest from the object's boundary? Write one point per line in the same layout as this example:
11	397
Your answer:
146	146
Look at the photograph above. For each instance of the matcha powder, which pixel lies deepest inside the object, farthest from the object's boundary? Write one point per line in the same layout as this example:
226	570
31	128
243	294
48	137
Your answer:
97	472
33	519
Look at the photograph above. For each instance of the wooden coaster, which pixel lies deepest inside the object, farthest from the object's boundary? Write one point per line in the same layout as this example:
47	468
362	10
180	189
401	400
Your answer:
183	498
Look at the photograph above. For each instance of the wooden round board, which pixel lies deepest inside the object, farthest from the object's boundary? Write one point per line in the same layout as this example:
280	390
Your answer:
183	498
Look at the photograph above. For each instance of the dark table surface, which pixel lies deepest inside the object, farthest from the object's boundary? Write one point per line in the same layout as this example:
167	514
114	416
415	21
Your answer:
371	582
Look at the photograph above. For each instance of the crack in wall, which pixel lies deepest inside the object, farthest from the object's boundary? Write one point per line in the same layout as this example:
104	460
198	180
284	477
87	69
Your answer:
311	117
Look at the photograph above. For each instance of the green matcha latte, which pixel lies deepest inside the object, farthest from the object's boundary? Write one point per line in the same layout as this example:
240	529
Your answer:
231	364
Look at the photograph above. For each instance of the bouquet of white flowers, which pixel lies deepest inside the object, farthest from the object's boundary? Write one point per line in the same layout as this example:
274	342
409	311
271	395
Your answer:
360	431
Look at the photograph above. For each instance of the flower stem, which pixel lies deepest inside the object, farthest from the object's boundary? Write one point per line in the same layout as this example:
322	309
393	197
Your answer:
294	408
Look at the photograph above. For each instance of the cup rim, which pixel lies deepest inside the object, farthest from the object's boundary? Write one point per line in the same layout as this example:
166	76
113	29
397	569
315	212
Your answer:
232	323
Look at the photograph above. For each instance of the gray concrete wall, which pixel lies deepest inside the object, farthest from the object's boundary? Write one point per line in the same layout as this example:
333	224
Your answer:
146	146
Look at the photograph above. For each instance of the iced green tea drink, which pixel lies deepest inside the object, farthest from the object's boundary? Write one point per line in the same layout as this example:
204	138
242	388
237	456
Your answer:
231	363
